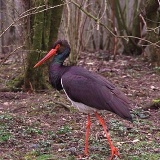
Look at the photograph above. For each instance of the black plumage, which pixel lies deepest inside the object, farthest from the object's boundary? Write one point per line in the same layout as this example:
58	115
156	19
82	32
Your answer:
86	87
88	91
94	91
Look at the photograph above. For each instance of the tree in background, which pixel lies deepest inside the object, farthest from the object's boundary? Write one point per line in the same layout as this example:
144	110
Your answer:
128	24
113	26
12	29
152	17
44	30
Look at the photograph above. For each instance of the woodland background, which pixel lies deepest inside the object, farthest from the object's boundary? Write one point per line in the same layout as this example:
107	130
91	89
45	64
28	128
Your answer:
119	39
29	28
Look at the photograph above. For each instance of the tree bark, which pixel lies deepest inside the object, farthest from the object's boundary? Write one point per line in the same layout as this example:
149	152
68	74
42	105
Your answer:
152	19
44	29
131	46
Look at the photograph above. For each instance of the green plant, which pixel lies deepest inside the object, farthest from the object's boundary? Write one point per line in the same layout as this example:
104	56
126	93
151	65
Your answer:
64	129
4	134
156	100
44	157
33	131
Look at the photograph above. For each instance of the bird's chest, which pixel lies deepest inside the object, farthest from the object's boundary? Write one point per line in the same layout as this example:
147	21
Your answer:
55	80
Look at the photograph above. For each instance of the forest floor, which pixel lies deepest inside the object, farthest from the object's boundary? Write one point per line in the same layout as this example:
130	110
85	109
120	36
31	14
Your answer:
44	126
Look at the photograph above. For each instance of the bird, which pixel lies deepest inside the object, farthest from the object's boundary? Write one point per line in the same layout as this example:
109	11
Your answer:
89	92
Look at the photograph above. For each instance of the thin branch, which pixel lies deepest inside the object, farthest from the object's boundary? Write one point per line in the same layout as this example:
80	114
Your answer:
62	104
11	54
124	37
28	14
91	16
142	39
143	20
105	7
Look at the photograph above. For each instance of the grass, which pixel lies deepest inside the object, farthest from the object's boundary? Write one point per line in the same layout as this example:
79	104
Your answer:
34	156
30	140
5	135
64	130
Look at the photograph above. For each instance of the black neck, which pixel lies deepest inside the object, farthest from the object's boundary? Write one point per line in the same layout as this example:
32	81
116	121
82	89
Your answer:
60	57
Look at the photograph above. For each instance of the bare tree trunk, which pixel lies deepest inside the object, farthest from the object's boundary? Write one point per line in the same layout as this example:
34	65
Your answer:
1	18
131	46
153	21
44	29
82	31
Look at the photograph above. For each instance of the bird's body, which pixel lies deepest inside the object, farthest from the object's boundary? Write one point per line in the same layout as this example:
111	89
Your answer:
87	91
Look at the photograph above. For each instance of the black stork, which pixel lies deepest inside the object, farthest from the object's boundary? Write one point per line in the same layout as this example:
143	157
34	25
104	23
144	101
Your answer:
87	91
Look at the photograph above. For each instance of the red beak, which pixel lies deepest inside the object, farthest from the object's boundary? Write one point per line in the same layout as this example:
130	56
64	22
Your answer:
51	53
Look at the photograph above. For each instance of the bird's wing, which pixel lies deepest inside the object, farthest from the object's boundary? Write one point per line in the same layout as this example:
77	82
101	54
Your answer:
94	91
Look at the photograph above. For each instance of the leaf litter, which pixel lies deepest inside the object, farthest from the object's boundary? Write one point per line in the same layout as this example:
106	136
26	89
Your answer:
44	126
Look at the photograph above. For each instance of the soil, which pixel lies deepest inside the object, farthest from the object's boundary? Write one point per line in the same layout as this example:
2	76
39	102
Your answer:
45	126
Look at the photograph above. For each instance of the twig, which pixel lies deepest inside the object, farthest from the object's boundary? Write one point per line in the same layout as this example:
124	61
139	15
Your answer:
10	54
91	16
31	87
26	15
124	37
142	39
143	20
62	104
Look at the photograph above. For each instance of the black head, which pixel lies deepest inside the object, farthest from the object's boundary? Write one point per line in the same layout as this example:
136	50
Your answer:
63	46
60	50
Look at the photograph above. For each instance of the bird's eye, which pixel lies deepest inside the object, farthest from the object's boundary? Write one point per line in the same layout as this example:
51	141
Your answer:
58	52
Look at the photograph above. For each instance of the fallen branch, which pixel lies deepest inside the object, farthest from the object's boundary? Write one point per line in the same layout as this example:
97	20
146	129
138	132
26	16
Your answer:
62	104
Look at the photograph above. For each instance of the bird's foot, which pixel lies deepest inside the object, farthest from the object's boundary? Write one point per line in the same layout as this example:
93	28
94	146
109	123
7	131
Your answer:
114	153
86	153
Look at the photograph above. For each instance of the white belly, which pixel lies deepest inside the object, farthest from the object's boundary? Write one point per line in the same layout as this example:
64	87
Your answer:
80	106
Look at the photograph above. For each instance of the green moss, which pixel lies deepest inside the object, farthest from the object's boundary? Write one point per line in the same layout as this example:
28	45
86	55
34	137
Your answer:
156	101
16	83
44	27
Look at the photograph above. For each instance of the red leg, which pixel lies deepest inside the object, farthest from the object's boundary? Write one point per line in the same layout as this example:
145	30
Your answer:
114	150
87	134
